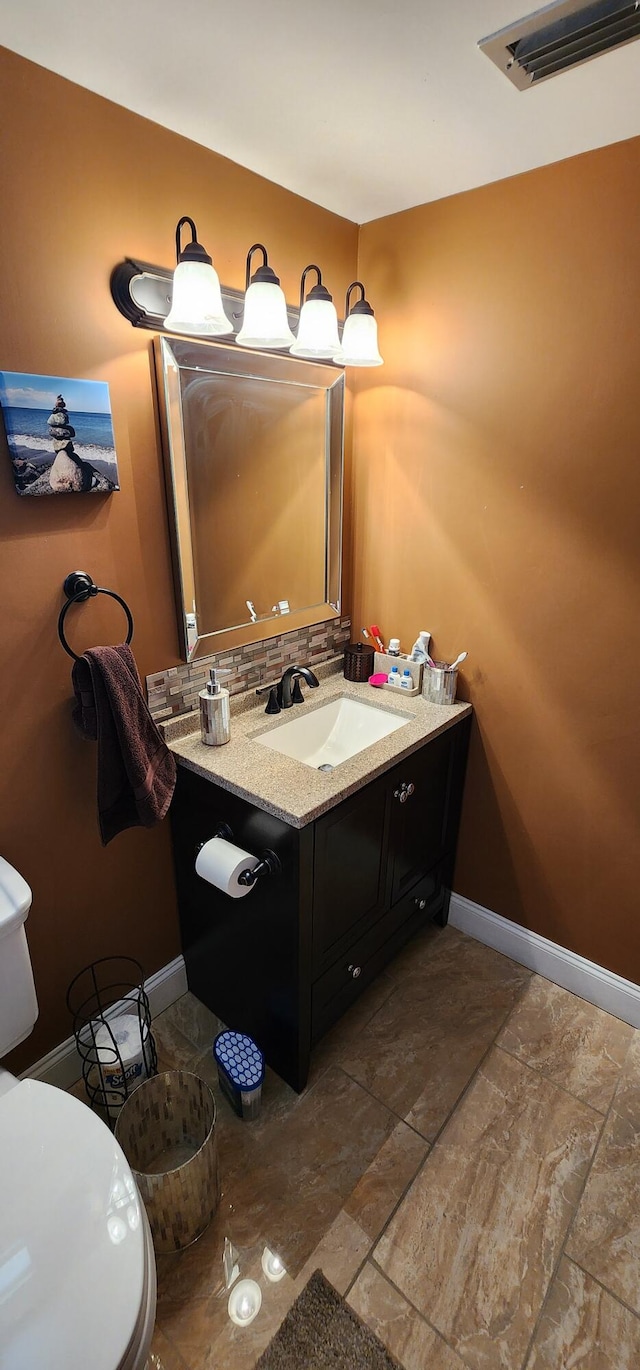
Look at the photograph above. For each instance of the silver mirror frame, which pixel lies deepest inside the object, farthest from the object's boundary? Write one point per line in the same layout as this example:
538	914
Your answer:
173	353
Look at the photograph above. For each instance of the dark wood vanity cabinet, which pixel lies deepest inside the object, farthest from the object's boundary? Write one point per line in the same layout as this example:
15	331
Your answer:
284	962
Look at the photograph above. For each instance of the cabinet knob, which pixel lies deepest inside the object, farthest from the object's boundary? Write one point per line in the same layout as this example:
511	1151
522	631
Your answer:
420	903
404	792
355	971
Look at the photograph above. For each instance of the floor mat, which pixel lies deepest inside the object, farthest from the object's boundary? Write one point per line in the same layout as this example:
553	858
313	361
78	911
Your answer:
320	1332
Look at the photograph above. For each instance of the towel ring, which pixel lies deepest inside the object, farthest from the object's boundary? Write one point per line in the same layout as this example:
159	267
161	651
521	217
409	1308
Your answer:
79	586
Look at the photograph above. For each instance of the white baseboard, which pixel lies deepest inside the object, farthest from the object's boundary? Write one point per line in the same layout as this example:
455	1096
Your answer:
590	981
62	1066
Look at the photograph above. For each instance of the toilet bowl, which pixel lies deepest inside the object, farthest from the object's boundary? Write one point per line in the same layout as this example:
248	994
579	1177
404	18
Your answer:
77	1269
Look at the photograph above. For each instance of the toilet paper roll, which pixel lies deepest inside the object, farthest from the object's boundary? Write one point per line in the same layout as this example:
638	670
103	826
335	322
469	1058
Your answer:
220	862
126	1032
119	1041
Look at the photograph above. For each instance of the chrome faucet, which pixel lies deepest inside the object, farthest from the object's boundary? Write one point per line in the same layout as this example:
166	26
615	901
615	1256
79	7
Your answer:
287	691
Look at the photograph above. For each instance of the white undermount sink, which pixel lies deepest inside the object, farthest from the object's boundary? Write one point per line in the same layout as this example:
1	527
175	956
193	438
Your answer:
324	737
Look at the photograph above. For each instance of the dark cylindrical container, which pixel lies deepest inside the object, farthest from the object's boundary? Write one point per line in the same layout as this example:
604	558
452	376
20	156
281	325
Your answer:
358	661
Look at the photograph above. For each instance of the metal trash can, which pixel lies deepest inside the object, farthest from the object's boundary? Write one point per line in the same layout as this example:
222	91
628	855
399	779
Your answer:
167	1130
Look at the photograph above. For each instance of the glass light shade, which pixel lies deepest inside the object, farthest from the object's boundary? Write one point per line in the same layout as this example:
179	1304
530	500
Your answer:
265	322
197	303
359	342
317	331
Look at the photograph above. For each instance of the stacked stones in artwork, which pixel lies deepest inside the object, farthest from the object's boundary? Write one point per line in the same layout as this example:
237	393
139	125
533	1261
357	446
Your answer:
61	446
69	471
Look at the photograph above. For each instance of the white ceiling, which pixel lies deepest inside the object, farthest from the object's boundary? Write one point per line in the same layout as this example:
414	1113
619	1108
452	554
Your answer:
364	106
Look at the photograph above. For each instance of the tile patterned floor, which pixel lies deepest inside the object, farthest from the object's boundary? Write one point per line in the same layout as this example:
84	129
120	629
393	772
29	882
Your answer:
464	1165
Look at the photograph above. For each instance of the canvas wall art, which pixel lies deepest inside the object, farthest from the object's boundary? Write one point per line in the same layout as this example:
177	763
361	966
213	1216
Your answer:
59	434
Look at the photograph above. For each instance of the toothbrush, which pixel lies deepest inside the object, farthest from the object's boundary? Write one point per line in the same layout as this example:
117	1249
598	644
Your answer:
376	635
364	633
458	661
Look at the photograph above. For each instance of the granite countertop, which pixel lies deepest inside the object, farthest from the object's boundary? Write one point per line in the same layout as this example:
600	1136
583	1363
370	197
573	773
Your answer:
290	789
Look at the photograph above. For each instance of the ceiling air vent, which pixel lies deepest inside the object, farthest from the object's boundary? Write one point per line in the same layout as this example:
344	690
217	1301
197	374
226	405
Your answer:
561	36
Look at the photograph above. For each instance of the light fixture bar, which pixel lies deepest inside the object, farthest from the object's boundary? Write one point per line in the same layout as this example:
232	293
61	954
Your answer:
142	293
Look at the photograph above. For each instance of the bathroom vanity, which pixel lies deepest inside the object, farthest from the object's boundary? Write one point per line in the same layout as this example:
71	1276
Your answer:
365	850
356	791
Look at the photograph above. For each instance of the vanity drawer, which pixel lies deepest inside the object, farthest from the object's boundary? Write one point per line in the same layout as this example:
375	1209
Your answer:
425	897
341	985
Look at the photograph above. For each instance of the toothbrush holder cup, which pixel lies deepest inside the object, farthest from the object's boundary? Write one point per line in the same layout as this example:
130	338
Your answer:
439	683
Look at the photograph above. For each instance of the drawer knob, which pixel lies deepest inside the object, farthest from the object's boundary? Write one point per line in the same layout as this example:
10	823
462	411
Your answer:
420	903
404	792
355	971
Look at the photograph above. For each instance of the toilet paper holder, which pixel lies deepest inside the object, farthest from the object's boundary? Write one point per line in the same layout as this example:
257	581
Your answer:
267	865
268	862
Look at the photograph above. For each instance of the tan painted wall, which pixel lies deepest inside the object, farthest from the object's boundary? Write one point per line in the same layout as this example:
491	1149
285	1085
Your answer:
496	494
85	184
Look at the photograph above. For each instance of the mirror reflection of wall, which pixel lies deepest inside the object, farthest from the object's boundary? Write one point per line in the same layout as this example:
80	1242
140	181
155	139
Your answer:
254	458
256	477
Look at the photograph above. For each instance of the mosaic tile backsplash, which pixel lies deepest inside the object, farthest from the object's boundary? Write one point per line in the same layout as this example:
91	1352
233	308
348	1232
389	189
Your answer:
176	690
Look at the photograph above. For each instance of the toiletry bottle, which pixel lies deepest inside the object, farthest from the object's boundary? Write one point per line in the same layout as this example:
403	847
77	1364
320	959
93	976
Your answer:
406	679
215	721
394	676
394	647
420	649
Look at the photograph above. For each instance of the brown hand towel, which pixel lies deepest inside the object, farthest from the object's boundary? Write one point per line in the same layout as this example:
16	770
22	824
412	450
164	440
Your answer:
136	771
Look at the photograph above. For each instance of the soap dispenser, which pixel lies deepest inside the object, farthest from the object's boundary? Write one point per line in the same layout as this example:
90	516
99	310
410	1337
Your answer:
215	719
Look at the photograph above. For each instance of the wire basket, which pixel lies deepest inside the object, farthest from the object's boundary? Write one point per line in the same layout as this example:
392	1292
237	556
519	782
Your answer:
112	1029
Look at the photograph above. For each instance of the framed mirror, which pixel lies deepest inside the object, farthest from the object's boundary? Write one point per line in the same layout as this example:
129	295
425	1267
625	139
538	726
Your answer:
253	447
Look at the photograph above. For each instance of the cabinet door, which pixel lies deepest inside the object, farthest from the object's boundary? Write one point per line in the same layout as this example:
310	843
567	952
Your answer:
247	959
348	871
418	799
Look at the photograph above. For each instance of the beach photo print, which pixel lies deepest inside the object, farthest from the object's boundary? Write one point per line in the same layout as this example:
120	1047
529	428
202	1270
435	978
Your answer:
59	434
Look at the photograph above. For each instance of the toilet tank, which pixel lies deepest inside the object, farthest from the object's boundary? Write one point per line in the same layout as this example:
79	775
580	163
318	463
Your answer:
18	1003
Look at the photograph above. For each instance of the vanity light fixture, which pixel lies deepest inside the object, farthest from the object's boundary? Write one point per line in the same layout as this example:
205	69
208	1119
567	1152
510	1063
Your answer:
360	332
265	322
196	306
318	327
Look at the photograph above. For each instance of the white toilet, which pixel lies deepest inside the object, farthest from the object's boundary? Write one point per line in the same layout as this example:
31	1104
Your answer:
77	1269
